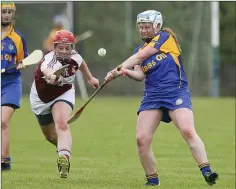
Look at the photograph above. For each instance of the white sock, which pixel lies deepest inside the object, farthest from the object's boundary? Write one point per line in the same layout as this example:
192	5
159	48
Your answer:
64	152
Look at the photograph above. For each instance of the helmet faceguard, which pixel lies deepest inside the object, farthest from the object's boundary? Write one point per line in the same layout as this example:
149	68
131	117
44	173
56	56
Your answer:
64	43
8	10
153	17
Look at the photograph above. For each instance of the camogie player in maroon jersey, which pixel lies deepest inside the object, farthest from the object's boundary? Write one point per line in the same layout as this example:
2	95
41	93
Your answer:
52	99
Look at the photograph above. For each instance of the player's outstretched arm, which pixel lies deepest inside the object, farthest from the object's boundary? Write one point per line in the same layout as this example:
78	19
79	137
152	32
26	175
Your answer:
49	76
131	62
85	70
140	56
87	74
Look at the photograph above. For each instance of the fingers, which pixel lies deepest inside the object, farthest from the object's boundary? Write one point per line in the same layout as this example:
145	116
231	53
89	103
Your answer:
109	76
112	75
52	80
95	86
94	82
20	66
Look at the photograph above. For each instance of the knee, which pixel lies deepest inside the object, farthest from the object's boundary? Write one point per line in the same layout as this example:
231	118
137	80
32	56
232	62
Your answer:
143	142
5	124
62	124
188	133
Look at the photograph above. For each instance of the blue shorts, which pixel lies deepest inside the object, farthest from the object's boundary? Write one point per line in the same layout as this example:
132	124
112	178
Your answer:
11	90
183	100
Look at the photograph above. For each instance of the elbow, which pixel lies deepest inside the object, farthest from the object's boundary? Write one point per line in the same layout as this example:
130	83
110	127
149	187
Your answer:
142	76
139	80
141	56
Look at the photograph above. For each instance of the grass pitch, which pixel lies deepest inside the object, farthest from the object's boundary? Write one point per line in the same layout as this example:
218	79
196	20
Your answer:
104	149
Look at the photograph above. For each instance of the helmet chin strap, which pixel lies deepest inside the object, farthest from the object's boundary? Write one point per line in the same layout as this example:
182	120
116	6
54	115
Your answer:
4	24
147	40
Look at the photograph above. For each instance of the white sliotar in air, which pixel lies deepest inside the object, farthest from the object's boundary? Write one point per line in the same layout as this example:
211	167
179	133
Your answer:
102	52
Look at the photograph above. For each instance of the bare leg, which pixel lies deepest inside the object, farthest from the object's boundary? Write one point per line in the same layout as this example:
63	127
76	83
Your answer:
184	121
7	113
146	126
49	132
61	112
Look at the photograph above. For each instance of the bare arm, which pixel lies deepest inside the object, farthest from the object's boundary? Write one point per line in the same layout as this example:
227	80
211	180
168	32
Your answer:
137	58
131	62
136	74
85	71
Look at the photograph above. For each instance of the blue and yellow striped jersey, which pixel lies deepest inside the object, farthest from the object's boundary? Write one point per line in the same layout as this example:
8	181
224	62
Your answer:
164	70
13	49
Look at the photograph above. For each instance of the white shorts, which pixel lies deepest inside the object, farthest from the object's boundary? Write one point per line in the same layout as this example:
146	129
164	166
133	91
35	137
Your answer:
41	108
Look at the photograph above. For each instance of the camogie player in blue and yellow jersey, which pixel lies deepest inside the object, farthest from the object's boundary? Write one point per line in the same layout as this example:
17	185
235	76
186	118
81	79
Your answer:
166	96
13	50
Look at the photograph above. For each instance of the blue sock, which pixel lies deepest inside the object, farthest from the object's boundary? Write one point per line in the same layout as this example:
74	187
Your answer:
205	167
153	178
7	164
8	159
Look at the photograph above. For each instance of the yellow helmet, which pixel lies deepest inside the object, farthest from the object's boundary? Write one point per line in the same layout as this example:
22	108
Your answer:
8	5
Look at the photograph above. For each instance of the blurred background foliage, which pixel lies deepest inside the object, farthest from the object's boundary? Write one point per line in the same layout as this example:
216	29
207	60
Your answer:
112	22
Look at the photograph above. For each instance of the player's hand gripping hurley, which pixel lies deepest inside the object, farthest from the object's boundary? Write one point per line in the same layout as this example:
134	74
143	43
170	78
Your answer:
34	58
79	112
58	72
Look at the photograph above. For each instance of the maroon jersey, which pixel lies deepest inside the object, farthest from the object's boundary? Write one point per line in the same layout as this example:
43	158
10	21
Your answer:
48	92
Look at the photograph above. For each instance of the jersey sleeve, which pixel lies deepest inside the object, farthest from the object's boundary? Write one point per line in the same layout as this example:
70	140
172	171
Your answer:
22	50
44	65
77	58
164	42
160	40
137	48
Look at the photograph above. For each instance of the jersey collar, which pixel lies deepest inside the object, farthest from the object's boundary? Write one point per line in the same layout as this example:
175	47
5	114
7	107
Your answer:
10	30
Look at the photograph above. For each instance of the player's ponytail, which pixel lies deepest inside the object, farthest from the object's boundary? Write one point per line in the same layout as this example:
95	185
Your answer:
170	31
